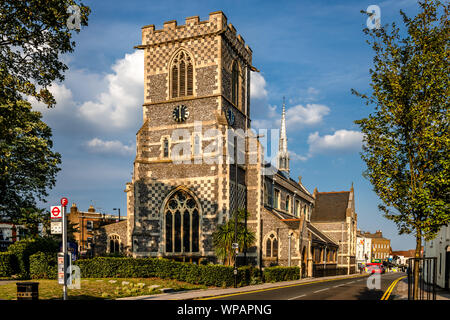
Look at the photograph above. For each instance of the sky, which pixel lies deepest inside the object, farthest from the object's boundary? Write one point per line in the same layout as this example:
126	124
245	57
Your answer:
311	52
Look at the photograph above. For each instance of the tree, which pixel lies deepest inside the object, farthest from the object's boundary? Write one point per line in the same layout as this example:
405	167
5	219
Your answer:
33	36
406	138
28	166
223	237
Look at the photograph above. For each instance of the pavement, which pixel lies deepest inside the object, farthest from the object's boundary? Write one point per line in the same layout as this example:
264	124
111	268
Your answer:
205	293
400	292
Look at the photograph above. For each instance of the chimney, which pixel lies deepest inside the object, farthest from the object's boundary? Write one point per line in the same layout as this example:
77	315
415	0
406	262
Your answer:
73	208
300	180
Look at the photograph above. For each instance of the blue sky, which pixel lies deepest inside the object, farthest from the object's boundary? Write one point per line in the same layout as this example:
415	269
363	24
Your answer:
311	52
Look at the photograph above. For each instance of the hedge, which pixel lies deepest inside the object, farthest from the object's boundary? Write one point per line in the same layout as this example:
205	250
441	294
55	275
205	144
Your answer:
276	274
210	275
24	248
43	265
8	264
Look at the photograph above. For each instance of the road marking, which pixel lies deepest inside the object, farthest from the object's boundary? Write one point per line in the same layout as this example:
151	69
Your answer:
321	290
388	292
350	282
275	288
297	297
339	285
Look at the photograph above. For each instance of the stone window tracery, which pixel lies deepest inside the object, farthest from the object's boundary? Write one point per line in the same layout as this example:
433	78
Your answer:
182	223
182	75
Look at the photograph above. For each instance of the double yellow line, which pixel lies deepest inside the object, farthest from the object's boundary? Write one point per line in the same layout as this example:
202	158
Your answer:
388	292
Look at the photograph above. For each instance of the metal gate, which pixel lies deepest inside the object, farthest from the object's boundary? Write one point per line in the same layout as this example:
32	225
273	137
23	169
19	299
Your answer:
426	284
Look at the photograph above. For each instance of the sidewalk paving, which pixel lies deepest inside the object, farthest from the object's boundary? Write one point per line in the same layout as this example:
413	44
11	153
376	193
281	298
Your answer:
400	292
204	293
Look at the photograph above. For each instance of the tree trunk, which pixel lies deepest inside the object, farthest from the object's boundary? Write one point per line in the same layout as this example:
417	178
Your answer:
417	265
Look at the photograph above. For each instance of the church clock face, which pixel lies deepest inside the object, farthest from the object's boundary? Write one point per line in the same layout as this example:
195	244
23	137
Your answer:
180	113
230	116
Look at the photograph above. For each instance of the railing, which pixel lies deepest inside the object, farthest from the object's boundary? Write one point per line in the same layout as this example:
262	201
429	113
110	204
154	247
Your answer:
426	282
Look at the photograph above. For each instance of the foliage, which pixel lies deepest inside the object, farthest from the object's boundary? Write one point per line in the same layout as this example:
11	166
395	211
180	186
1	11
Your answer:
108	267
27	164
23	249
44	265
406	142
8	264
33	36
276	274
224	237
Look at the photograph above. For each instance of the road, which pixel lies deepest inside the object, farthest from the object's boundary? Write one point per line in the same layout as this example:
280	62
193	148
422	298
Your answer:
351	288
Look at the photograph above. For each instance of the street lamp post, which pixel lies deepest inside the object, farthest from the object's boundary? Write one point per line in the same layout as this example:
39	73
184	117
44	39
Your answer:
119	212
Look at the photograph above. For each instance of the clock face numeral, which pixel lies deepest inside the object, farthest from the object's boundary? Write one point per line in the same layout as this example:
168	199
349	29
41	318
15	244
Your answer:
230	116
180	113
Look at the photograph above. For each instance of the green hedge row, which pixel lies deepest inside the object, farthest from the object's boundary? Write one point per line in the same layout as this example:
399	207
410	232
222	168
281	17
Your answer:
276	274
210	275
44	266
23	249
8	264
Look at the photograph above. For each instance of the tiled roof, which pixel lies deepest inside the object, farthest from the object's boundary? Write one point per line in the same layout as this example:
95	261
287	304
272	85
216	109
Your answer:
330	206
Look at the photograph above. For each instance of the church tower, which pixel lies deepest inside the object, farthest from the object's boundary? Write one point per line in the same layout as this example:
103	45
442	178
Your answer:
283	154
197	90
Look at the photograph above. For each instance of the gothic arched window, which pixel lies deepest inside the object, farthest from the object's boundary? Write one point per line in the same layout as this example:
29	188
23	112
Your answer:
114	243
182	75
182	223
272	246
235	84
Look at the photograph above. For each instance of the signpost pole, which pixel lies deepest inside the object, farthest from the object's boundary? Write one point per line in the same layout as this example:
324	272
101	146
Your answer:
64	247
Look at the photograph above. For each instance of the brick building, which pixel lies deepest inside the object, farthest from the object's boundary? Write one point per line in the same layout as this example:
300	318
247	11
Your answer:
381	247
86	224
186	180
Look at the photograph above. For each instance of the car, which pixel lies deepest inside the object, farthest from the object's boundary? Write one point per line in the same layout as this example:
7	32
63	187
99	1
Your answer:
375	269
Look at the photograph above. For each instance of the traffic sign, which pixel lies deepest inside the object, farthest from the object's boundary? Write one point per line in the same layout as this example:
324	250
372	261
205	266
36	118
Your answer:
64	201
235	245
55	212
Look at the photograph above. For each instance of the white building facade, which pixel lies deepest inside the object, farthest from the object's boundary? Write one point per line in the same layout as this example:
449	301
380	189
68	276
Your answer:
439	247
363	250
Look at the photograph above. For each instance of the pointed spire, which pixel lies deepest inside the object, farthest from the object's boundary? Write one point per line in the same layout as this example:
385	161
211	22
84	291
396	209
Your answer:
283	154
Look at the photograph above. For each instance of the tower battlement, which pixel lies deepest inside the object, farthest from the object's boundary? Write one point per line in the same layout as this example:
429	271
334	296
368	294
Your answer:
194	28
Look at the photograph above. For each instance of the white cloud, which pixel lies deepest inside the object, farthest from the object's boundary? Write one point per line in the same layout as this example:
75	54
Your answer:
120	105
312	114
97	145
340	141
257	86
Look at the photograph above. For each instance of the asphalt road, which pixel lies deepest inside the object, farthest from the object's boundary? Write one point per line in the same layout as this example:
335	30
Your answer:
354	288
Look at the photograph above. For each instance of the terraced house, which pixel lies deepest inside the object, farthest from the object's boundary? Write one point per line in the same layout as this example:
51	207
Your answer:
198	160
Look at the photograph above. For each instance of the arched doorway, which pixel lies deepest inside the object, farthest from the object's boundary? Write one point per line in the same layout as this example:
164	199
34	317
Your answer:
304	262
447	268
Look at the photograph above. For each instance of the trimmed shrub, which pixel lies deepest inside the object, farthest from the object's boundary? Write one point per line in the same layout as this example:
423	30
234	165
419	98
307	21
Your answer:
43	265
209	275
276	274
8	264
23	249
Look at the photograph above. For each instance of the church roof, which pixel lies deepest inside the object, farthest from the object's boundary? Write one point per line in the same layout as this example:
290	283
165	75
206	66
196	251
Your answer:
330	206
318	235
